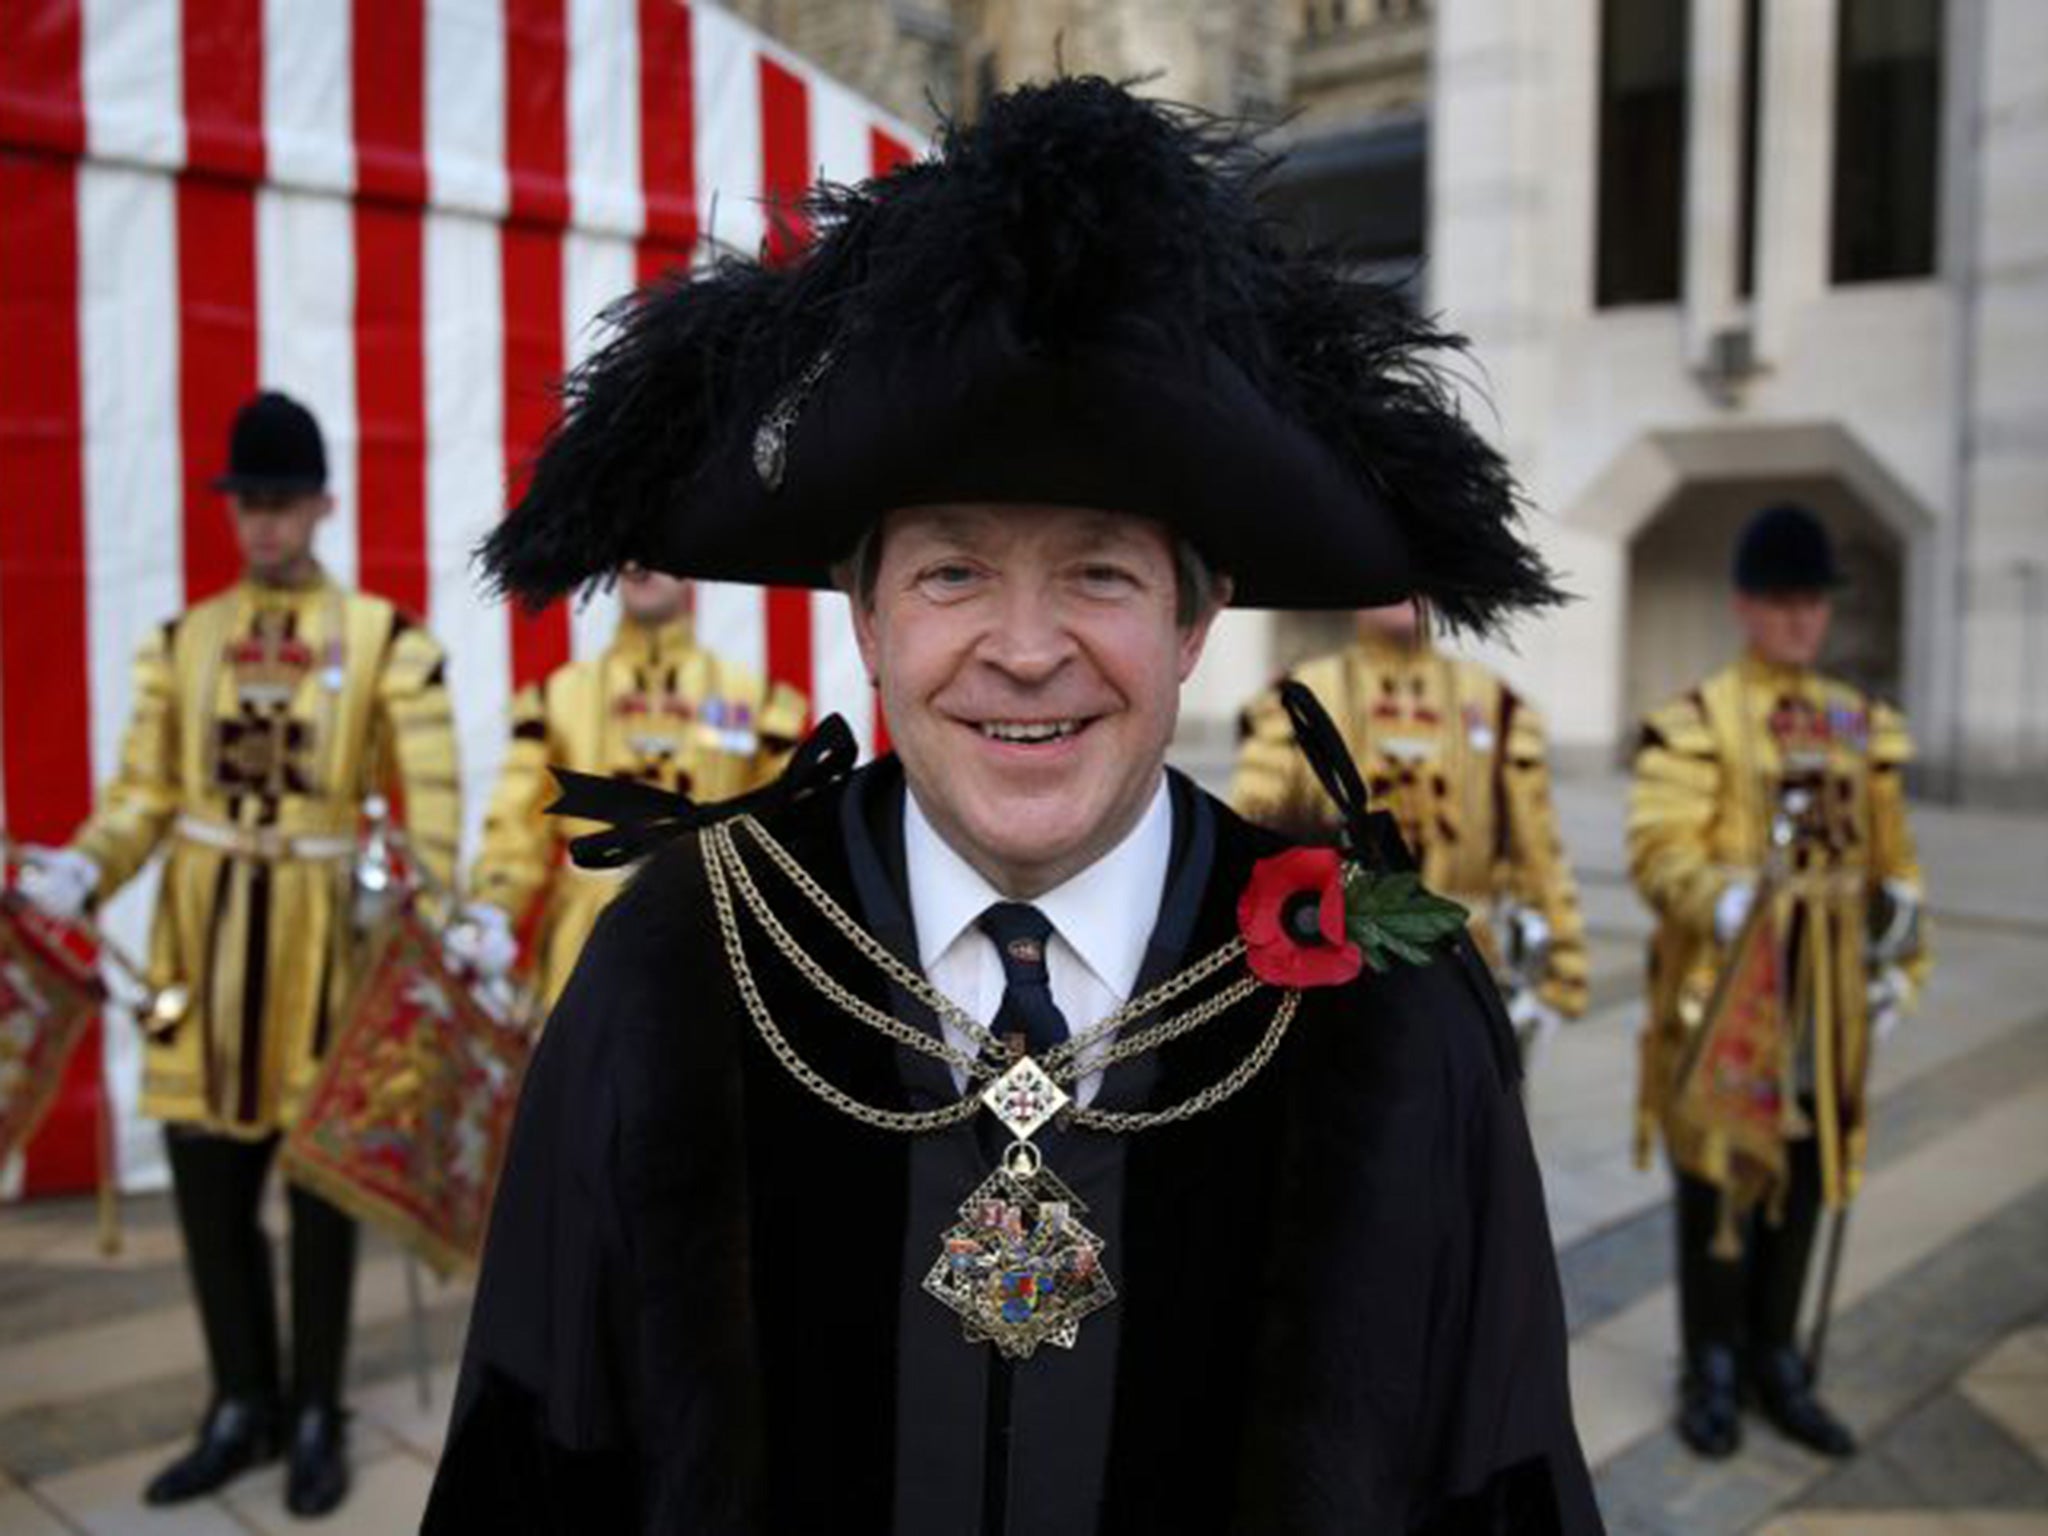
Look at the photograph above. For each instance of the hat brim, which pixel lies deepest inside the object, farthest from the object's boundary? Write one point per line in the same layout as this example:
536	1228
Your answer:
1120	427
274	485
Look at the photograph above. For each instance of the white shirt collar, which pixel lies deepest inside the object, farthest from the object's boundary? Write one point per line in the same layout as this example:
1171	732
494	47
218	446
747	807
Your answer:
1106	913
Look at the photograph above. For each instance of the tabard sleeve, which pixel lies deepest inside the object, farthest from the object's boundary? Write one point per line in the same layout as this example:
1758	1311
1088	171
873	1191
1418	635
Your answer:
519	841
1273	784
784	720
419	722
539	1439
1671	809
1509	1461
1538	871
1894	858
135	810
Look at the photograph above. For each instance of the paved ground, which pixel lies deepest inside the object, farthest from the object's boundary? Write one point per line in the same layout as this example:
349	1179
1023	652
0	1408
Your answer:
1939	1352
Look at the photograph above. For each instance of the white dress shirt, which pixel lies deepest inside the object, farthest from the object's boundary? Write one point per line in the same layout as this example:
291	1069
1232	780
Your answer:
1102	919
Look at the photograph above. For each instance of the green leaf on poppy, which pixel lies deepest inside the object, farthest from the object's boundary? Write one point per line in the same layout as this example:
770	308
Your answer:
1391	915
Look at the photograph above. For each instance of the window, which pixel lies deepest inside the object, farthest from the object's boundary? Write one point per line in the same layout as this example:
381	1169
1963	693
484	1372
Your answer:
1887	139
1752	98
1640	255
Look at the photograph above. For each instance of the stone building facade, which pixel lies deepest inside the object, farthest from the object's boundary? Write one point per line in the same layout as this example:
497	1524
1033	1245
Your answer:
1710	253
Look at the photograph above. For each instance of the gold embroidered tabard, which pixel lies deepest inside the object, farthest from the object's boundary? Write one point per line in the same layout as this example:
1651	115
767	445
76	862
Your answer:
1715	769
1460	762
262	718
655	707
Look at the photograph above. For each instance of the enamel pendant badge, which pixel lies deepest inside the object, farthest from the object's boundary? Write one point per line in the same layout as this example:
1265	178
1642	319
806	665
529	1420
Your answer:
1020	1268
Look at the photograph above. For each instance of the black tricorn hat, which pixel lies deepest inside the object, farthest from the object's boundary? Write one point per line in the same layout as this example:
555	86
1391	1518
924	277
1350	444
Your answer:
275	447
1785	549
1077	301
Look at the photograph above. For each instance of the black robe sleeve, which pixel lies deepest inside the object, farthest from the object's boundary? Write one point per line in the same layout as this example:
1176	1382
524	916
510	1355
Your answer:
1509	1459
539	1438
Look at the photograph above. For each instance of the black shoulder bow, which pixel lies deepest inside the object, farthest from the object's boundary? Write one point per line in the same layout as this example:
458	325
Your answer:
639	817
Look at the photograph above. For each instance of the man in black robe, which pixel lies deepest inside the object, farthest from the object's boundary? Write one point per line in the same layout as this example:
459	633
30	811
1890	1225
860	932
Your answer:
1279	1262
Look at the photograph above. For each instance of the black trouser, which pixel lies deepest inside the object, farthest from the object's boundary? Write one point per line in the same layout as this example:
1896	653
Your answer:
1750	1304
218	1183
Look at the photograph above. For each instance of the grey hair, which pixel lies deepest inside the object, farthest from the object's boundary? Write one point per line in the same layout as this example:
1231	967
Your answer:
1198	588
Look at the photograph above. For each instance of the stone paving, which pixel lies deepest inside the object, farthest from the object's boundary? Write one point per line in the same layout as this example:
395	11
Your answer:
1938	1353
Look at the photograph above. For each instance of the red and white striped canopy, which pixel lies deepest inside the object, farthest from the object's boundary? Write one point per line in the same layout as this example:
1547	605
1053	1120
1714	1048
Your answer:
406	213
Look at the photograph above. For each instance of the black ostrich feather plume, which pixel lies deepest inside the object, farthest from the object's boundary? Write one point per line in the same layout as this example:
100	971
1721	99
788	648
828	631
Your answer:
1073	221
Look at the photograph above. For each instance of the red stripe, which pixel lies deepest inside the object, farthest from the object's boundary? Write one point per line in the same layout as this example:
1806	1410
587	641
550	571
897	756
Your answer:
785	158
532	263
41	103
223	78
785	174
886	152
388	70
668	169
45	667
216	362
536	109
388	67
391	404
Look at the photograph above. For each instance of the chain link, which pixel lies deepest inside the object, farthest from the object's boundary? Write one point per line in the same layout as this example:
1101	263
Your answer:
911	1121
725	868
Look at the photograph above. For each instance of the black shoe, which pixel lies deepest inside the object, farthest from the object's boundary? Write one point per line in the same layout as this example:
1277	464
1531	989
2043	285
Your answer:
1709	1407
1785	1394
238	1433
317	1476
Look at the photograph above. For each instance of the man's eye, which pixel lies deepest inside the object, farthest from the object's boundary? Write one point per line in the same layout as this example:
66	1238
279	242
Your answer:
951	576
1108	577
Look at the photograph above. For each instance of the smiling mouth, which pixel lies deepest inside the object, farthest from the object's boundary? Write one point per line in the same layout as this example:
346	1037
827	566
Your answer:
1030	732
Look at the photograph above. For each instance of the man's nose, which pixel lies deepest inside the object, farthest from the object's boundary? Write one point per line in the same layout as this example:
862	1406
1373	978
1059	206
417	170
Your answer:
1029	639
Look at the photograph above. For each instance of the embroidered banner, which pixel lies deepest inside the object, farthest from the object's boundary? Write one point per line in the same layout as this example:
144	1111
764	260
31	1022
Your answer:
407	1123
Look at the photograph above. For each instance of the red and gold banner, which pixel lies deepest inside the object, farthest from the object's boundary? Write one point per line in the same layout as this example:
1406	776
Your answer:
407	1123
1732	1090
48	997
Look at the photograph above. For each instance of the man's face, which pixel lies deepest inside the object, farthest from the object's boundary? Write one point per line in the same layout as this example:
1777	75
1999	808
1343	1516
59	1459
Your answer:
1784	628
1030	662
275	531
653	597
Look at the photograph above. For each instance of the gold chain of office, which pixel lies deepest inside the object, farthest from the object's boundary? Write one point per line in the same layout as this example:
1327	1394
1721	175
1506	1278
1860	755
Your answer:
726	872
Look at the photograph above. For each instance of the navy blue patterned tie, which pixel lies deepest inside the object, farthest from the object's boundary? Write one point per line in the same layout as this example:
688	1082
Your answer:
1019	933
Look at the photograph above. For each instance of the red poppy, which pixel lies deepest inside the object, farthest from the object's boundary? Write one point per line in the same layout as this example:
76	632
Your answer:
1291	914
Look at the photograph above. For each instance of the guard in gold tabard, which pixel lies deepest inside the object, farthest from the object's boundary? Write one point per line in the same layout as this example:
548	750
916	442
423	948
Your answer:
263	718
1768	830
1458	758
655	707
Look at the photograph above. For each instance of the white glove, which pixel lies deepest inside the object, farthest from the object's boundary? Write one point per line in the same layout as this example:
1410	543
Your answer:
1535	1023
1887	1001
1731	910
481	940
60	881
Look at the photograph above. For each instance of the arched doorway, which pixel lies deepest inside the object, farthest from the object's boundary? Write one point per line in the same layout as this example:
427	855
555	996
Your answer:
1680	625
1669	507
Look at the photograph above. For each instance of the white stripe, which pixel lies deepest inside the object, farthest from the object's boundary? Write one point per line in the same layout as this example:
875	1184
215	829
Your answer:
132	81
733	621
305	338
308	124
128	362
596	270
604	115
840	122
466	485
840	678
465	131
725	72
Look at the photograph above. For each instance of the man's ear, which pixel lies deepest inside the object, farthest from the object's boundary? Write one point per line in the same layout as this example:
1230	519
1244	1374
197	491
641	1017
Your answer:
864	633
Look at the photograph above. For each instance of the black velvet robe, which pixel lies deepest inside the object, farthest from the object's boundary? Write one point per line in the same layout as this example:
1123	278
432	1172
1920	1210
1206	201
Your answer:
699	1312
